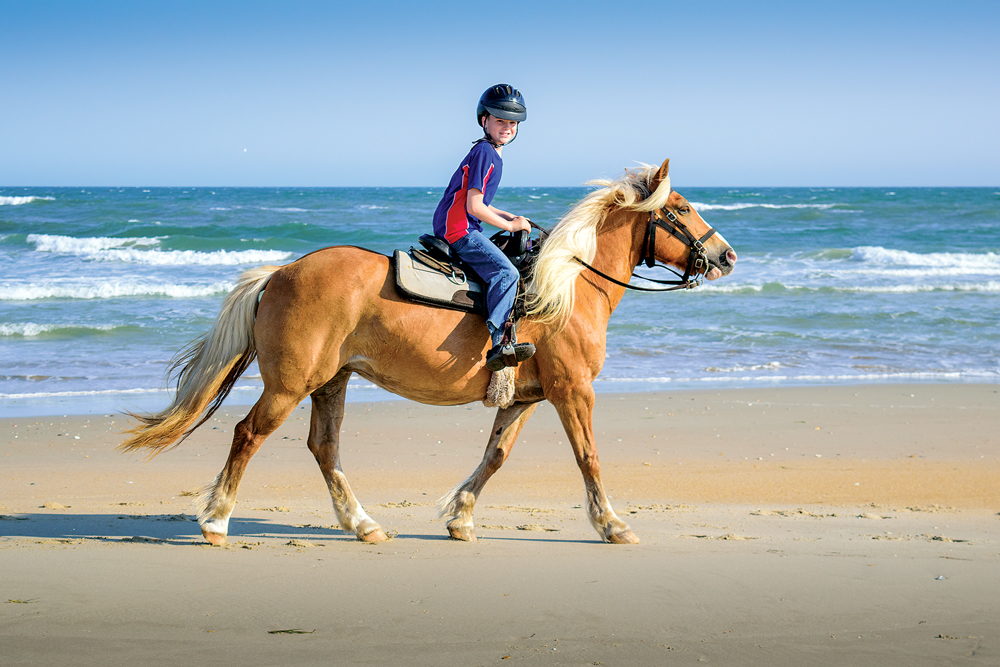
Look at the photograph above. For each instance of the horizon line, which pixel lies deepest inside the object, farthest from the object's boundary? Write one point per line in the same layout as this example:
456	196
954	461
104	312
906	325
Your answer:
436	187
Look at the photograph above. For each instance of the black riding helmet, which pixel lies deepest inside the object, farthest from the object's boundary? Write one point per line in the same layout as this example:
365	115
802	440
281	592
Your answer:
503	101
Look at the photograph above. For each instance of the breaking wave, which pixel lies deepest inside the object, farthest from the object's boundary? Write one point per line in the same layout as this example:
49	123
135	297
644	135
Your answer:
21	201
991	286
106	392
807	378
740	206
32	329
962	260
107	289
134	251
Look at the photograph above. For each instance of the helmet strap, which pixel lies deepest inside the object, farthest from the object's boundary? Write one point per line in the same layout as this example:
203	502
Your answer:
486	135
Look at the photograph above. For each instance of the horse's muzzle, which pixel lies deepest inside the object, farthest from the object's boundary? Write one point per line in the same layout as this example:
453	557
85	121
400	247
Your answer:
723	265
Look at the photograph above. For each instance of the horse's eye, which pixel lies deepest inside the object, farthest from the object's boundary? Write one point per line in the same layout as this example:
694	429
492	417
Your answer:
684	211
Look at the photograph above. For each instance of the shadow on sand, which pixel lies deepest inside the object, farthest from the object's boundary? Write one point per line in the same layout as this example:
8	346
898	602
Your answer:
182	529
169	528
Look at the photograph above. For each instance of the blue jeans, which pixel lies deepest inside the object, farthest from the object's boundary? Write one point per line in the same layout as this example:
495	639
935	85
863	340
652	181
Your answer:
500	276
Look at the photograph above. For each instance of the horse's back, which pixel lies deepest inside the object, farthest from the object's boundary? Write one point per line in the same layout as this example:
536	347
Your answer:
339	308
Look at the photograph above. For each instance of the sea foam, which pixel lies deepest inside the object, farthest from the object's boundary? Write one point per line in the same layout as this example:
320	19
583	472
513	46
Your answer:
30	329
21	201
106	392
888	256
809	378
72	245
740	206
107	289
989	286
138	251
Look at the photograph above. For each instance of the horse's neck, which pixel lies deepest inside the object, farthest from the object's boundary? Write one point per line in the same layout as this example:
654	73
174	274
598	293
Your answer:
618	249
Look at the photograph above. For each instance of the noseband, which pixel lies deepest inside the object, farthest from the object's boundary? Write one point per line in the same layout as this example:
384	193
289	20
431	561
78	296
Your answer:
697	263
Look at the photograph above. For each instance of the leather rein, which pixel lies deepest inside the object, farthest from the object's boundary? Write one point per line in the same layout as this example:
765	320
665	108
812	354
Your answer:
697	263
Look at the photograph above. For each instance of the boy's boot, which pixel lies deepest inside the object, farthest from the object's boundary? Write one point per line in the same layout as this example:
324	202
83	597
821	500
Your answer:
509	352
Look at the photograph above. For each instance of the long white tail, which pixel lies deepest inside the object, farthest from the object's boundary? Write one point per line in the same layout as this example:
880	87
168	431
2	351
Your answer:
209	367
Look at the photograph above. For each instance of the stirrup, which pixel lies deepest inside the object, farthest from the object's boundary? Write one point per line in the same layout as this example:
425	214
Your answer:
509	354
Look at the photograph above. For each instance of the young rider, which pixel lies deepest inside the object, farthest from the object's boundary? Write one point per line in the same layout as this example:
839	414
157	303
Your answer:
466	204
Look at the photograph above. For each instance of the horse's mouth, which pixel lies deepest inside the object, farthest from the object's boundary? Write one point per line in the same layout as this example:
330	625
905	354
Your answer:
723	267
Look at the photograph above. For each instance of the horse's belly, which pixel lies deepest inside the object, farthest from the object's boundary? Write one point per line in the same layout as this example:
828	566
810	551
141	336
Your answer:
435	385
425	354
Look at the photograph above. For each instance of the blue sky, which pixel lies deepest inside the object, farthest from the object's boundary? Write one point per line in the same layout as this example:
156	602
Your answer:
384	93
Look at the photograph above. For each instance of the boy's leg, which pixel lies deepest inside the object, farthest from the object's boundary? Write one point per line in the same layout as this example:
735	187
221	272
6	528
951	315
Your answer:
489	262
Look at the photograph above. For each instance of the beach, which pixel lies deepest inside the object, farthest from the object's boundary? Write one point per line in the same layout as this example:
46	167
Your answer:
803	437
853	524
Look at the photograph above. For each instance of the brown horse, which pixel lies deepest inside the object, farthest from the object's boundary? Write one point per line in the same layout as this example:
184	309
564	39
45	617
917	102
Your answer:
309	338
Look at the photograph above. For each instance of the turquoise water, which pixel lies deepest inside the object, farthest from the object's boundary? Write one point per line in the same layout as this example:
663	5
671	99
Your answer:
100	286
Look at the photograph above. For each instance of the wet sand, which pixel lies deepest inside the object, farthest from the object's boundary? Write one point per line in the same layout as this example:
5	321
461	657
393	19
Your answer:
825	525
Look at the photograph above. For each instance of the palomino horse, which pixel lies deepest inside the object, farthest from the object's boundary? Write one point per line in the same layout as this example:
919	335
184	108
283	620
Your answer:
309	338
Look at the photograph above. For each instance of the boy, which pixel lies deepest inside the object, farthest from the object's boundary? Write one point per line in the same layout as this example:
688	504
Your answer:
466	204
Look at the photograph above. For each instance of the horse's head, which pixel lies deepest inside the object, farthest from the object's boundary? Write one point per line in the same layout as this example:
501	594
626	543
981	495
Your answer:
637	218
677	235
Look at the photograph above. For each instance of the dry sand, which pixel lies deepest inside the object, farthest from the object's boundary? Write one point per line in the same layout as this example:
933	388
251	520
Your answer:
832	525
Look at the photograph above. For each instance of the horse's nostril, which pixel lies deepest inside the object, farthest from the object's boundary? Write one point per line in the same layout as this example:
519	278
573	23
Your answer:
730	257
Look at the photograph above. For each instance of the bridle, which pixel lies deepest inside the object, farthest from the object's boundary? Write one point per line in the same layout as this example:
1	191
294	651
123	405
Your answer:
697	263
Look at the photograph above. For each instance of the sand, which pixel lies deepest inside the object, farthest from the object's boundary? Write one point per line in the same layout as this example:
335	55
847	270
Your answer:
827	525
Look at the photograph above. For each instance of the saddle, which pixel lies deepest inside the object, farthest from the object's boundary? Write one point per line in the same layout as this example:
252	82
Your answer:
434	276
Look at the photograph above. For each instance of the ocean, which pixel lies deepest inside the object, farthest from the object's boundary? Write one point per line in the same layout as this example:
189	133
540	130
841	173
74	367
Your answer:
99	287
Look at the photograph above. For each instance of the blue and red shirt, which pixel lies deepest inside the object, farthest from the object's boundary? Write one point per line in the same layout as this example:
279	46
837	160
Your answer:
480	169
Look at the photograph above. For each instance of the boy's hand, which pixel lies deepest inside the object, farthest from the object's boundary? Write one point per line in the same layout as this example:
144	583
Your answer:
520	224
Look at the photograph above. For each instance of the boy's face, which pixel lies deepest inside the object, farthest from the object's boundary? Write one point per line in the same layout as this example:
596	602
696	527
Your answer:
500	130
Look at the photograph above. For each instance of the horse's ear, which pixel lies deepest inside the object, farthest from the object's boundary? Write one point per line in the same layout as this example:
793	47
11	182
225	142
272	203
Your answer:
661	175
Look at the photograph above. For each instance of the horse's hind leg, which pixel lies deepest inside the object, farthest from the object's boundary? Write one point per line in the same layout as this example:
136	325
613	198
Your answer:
220	497
324	443
457	506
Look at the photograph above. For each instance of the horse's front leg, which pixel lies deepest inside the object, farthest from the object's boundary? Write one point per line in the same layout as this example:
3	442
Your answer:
576	410
457	506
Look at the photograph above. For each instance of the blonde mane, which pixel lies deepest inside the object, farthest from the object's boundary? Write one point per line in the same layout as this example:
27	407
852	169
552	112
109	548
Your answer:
552	292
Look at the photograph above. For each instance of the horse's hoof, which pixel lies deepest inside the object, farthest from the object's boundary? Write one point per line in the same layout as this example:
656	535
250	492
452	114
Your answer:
215	539
624	537
463	533
374	536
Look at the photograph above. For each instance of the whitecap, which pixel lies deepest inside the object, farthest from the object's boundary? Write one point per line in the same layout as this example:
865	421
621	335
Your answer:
769	366
108	289
889	256
190	257
816	378
106	392
740	206
96	392
72	245
989	286
130	251
21	201
30	329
